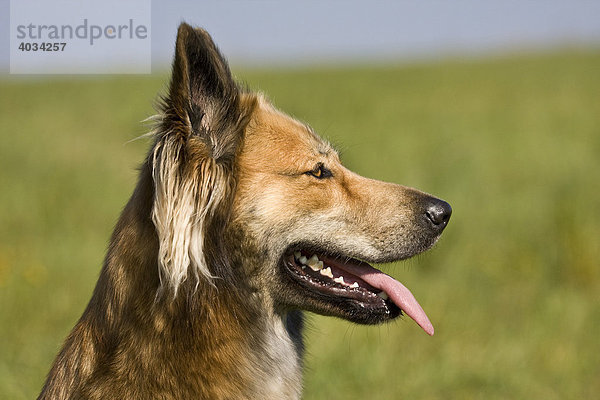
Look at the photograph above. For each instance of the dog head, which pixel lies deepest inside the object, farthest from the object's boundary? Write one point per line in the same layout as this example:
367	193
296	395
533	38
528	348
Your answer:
246	193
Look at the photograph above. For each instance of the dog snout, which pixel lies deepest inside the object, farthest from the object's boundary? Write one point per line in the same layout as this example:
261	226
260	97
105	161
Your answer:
438	213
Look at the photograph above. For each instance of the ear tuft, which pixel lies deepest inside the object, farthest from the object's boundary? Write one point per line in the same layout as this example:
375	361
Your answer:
184	202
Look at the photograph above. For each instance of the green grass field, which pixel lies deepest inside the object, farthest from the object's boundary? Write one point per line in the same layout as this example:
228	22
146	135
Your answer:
513	288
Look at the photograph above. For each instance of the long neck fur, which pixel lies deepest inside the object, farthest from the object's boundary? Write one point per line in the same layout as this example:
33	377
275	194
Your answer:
207	342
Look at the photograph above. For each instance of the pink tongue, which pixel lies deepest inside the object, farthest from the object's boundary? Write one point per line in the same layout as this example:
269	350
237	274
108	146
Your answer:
399	294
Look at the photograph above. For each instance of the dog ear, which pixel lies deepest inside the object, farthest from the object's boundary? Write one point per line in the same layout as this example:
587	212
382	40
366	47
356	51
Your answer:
200	128
203	99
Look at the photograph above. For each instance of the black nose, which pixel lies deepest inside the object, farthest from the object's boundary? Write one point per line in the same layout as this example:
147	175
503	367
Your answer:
438	212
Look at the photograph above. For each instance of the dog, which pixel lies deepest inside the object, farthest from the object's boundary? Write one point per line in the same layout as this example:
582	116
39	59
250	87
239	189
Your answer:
242	218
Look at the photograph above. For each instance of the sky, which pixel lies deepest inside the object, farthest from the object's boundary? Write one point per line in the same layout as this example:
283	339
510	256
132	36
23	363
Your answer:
286	33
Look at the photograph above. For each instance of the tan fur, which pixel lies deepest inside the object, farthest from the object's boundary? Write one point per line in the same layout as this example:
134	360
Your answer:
347	209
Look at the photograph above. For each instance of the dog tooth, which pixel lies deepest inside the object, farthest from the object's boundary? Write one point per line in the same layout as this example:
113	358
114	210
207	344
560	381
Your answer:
316	266
354	285
302	259
339	280
297	255
326	272
383	295
313	260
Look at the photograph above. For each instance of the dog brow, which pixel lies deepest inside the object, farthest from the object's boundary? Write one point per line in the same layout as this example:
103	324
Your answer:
324	147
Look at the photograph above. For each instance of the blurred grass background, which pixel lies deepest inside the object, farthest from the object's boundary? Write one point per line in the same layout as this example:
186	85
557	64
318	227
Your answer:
512	289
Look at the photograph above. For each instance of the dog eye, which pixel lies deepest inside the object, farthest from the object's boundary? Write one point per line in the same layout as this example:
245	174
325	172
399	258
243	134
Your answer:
320	172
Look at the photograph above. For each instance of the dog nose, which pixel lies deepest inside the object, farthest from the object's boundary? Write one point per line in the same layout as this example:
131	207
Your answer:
438	212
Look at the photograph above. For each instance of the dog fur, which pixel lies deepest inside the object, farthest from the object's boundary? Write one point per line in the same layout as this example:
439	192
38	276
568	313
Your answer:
194	300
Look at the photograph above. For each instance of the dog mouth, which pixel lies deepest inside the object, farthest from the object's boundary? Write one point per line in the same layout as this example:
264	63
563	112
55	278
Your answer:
355	280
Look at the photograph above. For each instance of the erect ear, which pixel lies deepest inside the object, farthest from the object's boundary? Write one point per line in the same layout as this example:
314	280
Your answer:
203	99
201	126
